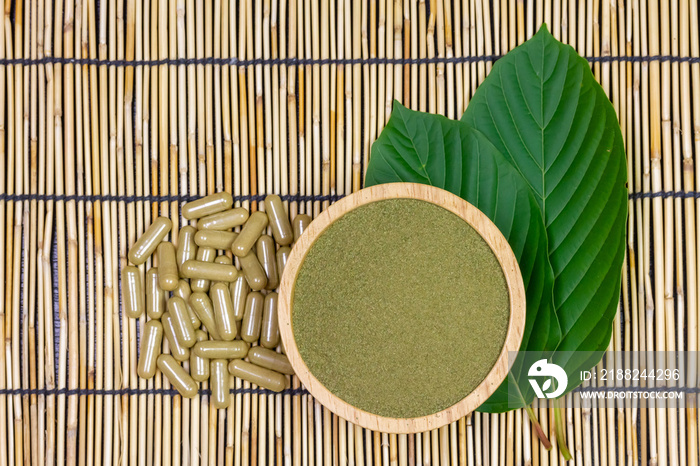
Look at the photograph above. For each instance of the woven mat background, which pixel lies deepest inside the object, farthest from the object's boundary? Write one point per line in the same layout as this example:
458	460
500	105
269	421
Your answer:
114	112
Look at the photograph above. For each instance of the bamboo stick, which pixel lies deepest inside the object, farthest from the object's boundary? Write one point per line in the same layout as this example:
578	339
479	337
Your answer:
440	67
422	40
695	76
29	347
24	297
688	37
361	152
5	410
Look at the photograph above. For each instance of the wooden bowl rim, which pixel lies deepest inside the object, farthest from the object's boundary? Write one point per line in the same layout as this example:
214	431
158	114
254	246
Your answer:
501	249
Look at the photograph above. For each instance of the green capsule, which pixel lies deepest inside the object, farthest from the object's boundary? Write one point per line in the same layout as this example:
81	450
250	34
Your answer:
265	248
249	234
204	254
253	271
183	291
210	271
150	348
184	331
202	306
225	260
219	384
214	349
199	366
215	239
177	376
207	205
270	331
132	292
223	311
186	247
155	297
178	350
239	293
148	242
260	376
168	277
300	224
224	220
279	220
270	359
252	319
282	258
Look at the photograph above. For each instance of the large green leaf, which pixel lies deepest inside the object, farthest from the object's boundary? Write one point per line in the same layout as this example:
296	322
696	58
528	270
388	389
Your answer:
542	108
429	149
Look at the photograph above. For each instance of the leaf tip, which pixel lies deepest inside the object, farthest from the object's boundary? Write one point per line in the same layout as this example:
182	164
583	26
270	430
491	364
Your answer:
544	30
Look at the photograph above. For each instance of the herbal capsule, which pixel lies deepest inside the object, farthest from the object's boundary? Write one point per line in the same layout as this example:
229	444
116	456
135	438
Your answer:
207	205
282	258
183	291
202	306
168	277
225	260
215	239
249	234
178	350
270	331
186	247
214	349
270	359
252	319
150	348
219	384
155	297
199	366
182	325
224	220
210	271
300	224
239	293
148	242
204	254
253	271
223	311
266	255
279	221
177	376
132	292
260	376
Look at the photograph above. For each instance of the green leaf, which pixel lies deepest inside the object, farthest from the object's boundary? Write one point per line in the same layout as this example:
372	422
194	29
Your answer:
429	149
542	108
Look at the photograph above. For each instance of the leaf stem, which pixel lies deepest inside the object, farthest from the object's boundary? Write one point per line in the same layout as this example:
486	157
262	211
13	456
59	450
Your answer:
559	429
538	428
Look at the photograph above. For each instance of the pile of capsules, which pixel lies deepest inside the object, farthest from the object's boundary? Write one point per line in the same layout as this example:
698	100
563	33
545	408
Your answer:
220	318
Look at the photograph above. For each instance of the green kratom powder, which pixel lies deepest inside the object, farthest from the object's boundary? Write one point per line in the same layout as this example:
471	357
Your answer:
400	308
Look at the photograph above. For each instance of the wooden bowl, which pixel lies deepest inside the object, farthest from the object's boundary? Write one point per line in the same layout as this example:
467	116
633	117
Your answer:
501	250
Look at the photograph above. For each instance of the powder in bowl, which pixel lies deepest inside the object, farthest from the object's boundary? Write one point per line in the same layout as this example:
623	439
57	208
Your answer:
400	308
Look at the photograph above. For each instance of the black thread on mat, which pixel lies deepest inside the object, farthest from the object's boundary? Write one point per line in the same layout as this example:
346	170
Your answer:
154	199
290	391
310	61
666	195
137	391
258	197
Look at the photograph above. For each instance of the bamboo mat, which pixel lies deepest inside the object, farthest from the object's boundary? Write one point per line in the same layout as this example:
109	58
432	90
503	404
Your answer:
116	111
